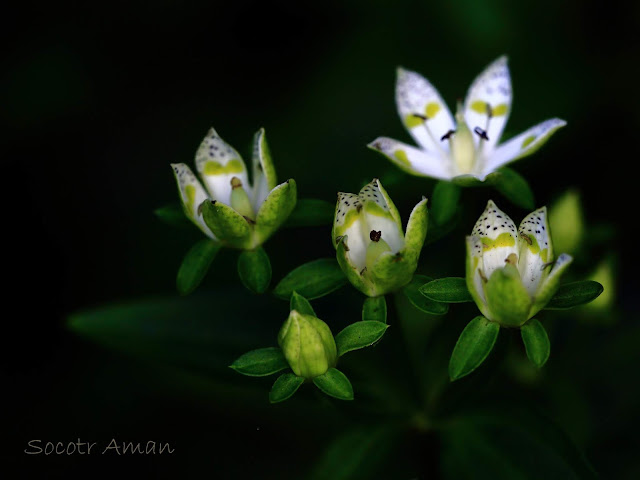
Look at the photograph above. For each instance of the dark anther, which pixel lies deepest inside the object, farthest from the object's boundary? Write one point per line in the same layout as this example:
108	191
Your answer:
421	117
481	133
447	135
375	236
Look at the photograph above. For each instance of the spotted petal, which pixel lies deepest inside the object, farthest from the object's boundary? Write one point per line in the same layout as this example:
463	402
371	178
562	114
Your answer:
535	249
218	162
381	215
412	160
349	222
497	232
192	195
488	102
264	173
522	145
422	111
474	273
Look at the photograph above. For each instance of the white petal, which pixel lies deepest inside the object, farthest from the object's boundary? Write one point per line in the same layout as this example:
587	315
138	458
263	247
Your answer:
535	249
379	217
192	195
412	160
497	232
218	162
349	221
522	145
416	96
490	91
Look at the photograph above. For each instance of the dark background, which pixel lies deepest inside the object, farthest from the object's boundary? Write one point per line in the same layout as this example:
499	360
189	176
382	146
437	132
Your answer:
97	100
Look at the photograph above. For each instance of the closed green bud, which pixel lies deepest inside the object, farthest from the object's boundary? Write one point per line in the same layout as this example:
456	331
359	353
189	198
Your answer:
308	345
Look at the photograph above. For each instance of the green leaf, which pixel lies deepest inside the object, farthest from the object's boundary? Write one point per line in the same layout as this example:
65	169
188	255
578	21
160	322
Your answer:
195	265
335	383
422	303
360	335
536	342
574	294
284	387
173	215
311	280
301	304
473	346
260	362
375	308
514	187
449	290
444	201
254	269
311	212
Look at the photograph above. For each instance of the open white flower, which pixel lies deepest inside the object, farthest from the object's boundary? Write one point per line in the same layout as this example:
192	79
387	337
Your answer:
467	146
232	210
511	273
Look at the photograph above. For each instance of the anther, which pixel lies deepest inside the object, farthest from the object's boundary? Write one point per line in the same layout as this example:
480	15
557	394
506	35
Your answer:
421	117
236	182
375	236
447	135
481	133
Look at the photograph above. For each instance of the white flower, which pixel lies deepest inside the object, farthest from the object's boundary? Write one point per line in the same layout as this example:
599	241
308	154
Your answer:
232	210
511	273
467	146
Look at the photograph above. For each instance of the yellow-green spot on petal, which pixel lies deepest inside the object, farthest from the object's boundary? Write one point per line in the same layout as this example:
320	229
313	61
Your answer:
190	192
215	168
432	109
479	106
503	240
411	121
349	219
499	110
374	209
528	141
544	254
401	156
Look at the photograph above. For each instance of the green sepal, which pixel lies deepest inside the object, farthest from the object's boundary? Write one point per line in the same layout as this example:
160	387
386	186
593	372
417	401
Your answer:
375	308
195	265
415	234
507	298
573	294
513	186
473	346
300	304
448	290
467	181
173	215
260	362
536	342
311	212
551	284
284	387
335	383
444	201
226	224
312	280
254	269
275	210
262	157
422	303
359	335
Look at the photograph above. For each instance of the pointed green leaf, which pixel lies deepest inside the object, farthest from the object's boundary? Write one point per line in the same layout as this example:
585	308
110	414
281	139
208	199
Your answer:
444	201
173	215
254	270
473	346
284	387
195	265
449	290
574	294
514	187
375	308
226	224
422	303
311	212
359	335
301	304
260	362
536	342
335	383
311	280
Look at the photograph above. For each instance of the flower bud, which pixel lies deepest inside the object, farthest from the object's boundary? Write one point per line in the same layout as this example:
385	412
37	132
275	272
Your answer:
308	345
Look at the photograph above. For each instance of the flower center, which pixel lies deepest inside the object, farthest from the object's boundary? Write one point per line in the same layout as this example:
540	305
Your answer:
240	201
375	248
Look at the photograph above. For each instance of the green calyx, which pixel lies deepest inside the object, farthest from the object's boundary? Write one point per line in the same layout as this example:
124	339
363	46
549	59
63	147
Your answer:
507	299
308	345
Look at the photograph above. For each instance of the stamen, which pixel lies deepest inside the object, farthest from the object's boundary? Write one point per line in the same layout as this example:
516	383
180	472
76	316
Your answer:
512	259
481	133
375	236
447	135
421	117
236	182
